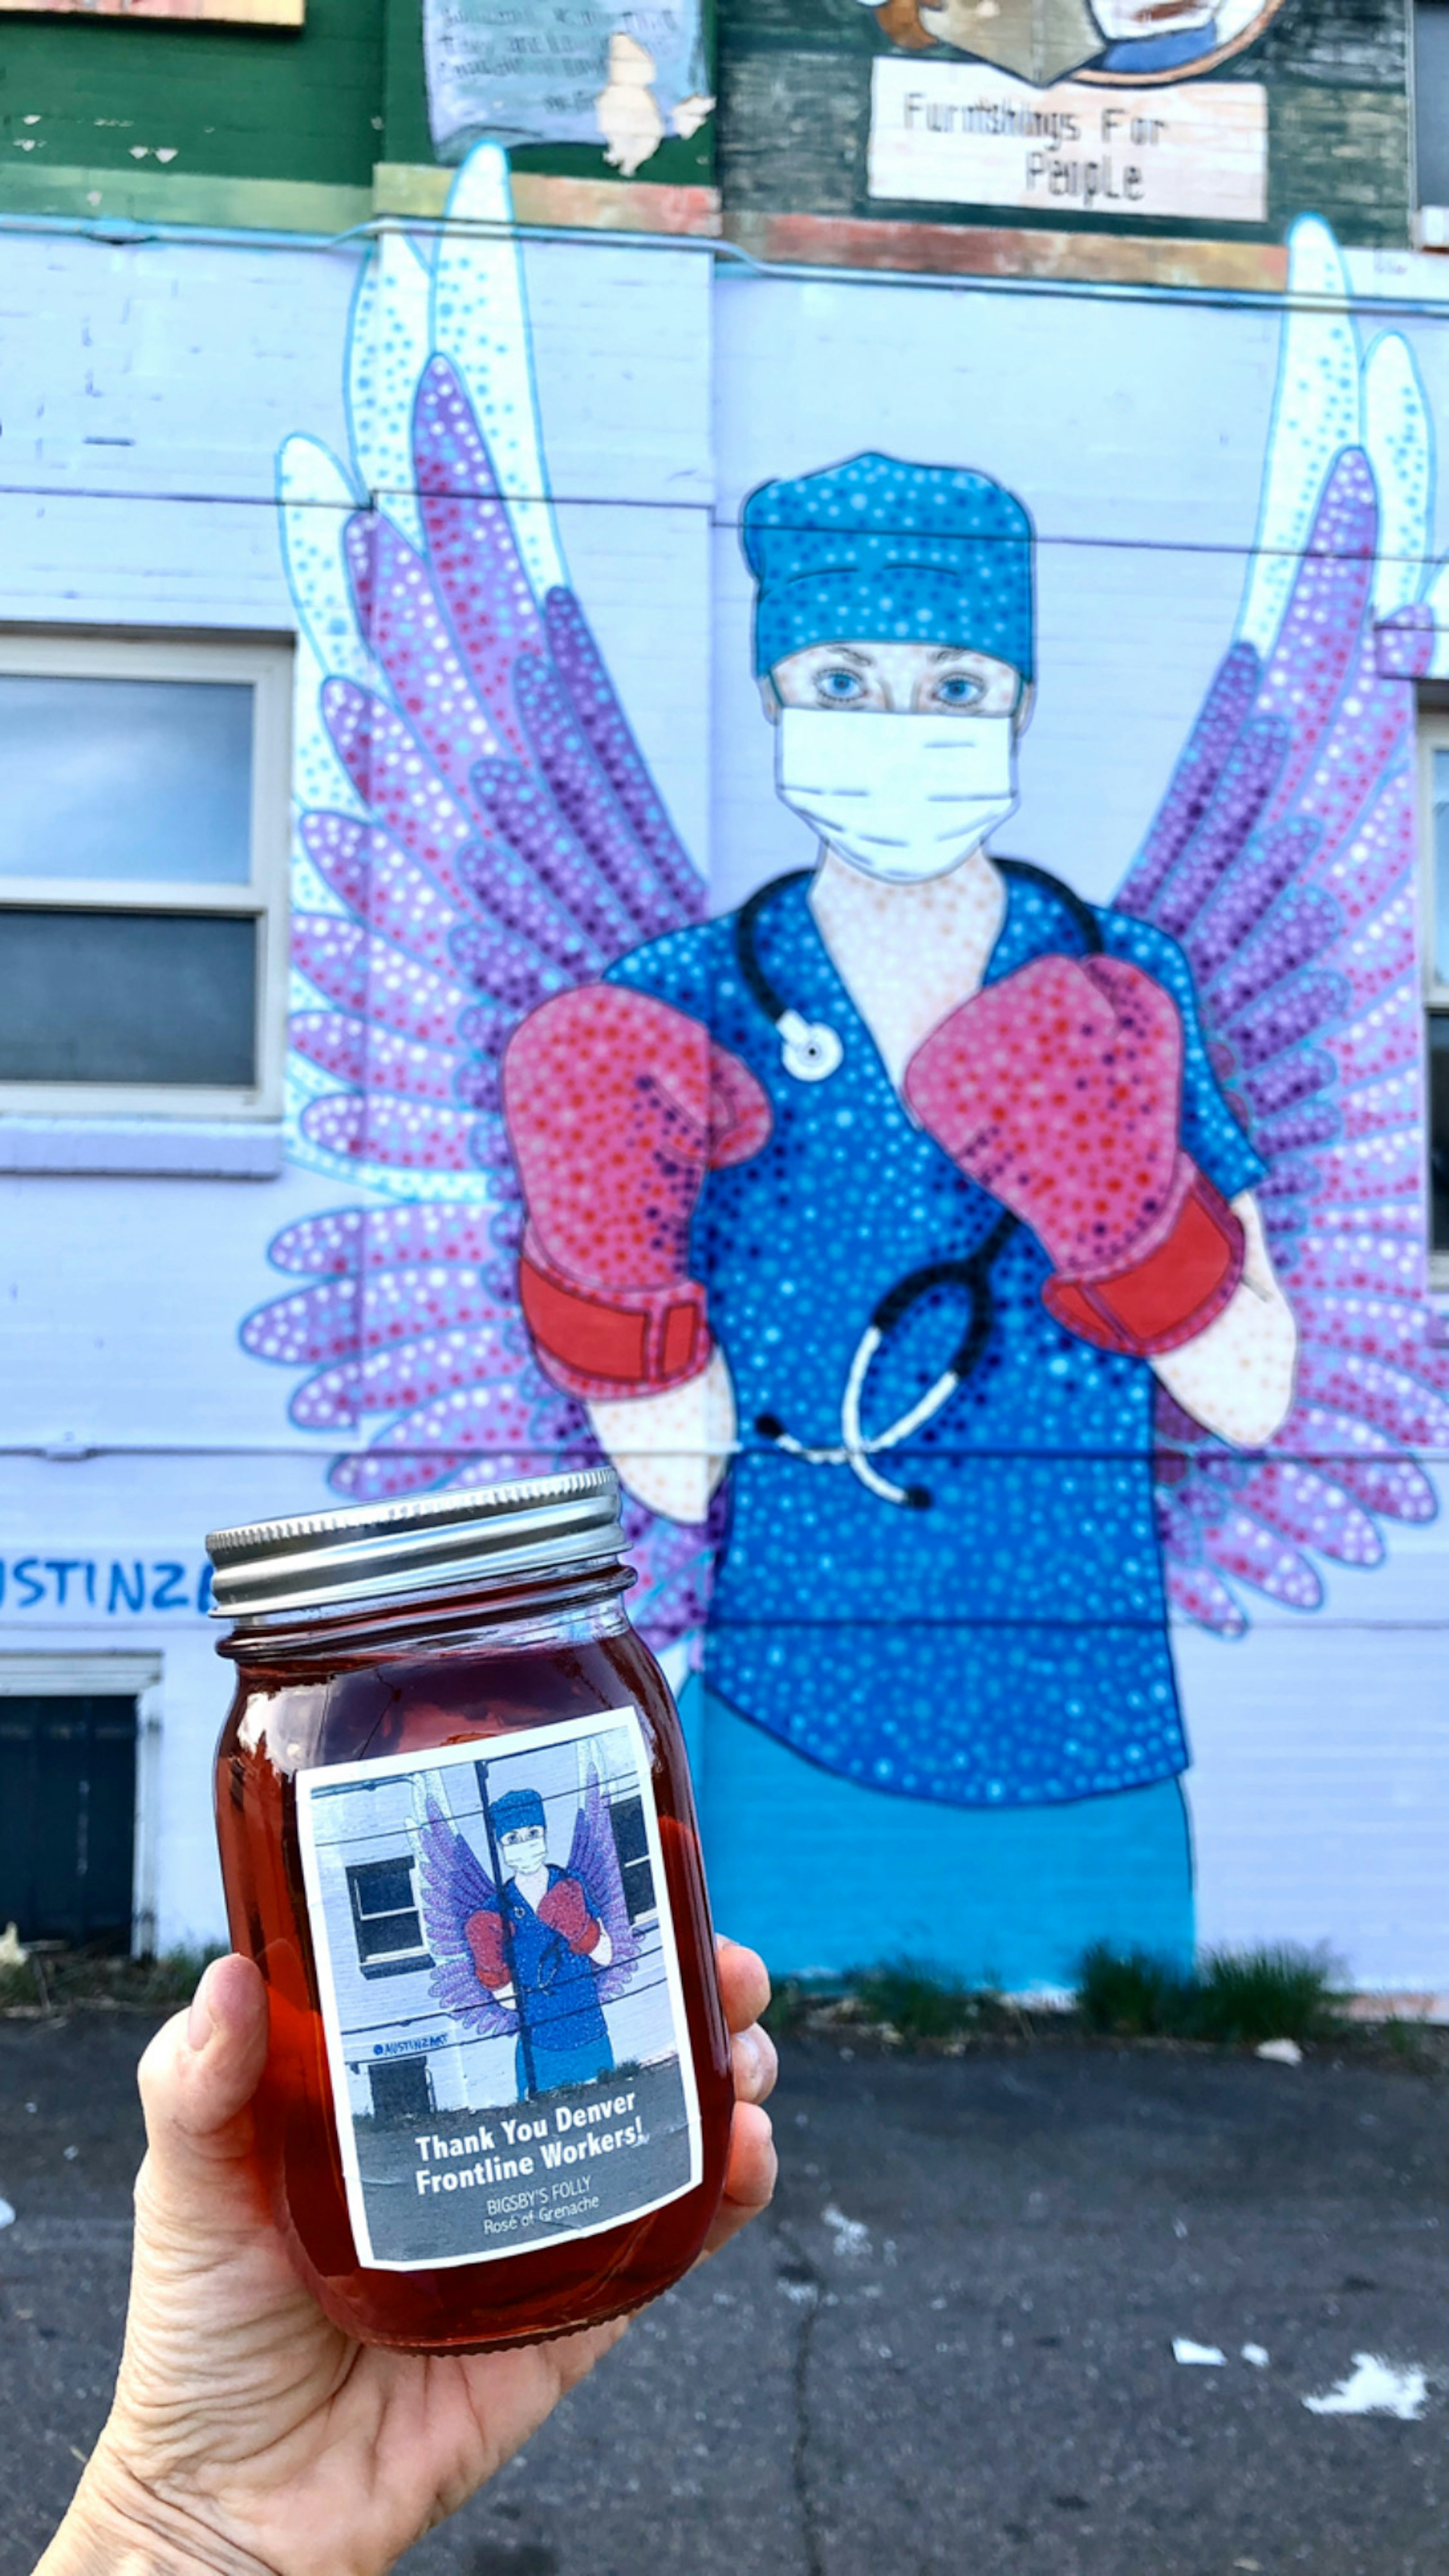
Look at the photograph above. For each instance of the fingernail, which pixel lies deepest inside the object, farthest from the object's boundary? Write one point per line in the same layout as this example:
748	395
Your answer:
752	2050
199	2023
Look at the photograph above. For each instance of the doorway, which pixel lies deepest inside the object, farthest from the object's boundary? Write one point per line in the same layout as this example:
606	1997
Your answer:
68	1817
402	2088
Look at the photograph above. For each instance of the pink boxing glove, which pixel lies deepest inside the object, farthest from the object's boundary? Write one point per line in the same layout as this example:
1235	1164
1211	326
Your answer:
617	1105
1059	1089
565	1910
483	1933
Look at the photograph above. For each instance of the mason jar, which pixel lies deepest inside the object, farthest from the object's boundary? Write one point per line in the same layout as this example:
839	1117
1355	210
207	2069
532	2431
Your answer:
458	1838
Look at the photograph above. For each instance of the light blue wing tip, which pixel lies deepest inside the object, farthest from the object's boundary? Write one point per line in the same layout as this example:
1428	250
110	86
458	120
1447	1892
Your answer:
481	192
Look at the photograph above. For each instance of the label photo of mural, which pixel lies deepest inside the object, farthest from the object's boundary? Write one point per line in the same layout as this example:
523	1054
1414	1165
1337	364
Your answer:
985	1277
564	71
505	2022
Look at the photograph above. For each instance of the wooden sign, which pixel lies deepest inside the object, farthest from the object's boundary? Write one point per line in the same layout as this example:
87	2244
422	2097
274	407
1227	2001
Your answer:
965	134
232	13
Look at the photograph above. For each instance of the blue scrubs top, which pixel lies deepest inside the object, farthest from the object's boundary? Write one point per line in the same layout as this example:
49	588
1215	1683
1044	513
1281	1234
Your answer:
558	2001
1006	1646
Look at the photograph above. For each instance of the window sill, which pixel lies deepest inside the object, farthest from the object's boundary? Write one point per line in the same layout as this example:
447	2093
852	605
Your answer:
186	1149
412	1962
1431	228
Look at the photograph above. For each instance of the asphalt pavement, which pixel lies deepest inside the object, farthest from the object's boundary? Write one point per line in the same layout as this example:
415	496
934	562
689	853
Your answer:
949	2351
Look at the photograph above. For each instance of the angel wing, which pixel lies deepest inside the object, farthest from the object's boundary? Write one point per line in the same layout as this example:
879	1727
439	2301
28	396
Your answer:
453	1885
594	1859
1282	858
477	829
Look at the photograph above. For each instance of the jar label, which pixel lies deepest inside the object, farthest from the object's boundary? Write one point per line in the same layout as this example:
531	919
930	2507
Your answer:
500	1990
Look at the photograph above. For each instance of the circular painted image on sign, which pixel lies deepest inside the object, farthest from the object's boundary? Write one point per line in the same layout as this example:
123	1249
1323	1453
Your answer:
1126	43
1154	41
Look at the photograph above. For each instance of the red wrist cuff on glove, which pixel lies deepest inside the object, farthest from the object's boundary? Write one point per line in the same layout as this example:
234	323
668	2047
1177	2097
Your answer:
630	1341
1173	1292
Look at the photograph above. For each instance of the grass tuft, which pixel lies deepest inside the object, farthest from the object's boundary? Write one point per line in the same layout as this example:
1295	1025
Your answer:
54	1980
922	2002
1274	1993
1133	1995
1243	1996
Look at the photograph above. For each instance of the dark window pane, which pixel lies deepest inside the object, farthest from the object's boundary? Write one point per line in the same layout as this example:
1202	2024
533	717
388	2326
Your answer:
1439	1131
126	778
386	1919
384	1887
127	997
402	2089
631	1842
1431	95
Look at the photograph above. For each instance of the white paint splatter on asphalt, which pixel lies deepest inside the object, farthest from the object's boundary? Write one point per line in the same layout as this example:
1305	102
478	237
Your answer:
1375	2387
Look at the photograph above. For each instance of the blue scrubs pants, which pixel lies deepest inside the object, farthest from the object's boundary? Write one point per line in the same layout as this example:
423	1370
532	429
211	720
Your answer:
821	1875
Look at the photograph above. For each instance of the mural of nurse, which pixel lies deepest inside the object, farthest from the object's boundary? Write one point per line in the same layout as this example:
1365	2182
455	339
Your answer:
972	1190
911	1236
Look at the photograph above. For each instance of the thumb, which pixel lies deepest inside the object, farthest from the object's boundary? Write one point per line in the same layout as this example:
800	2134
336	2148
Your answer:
197	2080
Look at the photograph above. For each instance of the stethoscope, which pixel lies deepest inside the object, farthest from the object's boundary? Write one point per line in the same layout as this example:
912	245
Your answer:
810	1051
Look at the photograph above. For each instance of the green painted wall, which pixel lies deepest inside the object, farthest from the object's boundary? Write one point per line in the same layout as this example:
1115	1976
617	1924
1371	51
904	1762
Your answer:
265	126
256	103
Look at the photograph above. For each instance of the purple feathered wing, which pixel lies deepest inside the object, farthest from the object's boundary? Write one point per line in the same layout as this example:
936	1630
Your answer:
1283	860
594	1861
454	1886
513	844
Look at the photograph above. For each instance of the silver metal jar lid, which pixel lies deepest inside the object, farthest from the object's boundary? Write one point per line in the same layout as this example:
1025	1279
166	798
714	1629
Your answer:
375	1552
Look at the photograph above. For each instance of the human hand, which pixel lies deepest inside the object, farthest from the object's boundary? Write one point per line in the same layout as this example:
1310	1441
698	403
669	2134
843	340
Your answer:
250	2436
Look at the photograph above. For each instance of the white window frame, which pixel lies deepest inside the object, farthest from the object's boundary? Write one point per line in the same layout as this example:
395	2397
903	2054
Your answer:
264	663
387	1963
1433	736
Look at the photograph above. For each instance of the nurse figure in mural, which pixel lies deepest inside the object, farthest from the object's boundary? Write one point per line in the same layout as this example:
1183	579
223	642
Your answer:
522	1947
973	1192
912	1237
538	1952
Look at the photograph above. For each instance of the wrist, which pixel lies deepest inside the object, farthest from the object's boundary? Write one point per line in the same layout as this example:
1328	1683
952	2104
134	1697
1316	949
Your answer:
116	2526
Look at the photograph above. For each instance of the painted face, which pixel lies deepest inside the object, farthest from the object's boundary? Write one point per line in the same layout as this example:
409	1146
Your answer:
910	793
897	679
1122	21
524	1851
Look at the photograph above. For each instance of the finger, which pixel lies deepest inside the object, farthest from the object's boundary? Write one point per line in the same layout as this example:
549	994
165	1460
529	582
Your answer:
749	2175
755	2064
197	2079
744	1982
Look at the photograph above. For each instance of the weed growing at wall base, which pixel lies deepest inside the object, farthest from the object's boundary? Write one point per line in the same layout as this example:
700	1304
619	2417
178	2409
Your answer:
53	1979
1277	1992
1233	1997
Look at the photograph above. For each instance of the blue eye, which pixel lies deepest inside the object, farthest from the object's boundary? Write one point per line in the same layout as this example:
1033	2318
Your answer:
959	690
841	687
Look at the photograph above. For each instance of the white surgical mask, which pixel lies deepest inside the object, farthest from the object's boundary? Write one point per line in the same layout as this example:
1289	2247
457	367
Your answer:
902	796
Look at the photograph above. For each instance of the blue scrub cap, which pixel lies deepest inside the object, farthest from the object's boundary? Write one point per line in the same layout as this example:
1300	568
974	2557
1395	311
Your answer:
519	1808
879	551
